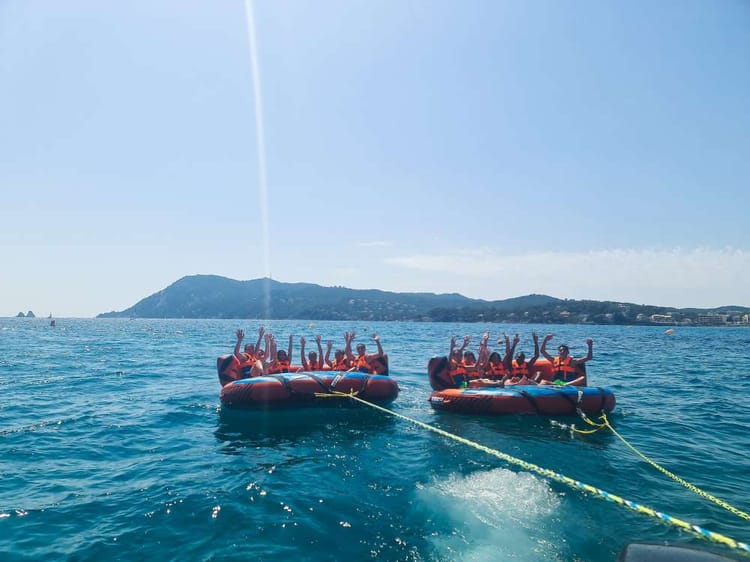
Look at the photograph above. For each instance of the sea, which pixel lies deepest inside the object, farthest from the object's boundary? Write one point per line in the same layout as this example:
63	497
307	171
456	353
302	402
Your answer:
114	446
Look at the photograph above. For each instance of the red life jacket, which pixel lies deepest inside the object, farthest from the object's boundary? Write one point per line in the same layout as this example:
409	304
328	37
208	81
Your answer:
339	365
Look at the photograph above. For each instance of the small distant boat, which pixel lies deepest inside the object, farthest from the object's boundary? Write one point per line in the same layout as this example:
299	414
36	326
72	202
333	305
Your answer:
52	323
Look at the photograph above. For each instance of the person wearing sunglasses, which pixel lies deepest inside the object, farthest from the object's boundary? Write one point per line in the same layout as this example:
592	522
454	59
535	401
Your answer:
567	370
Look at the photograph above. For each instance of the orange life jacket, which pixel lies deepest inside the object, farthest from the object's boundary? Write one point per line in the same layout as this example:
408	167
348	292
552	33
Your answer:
494	371
563	369
520	370
246	364
362	365
279	367
457	373
457	369
339	365
470	369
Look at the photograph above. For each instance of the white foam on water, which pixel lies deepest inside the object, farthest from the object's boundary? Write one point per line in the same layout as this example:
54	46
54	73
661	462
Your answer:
493	515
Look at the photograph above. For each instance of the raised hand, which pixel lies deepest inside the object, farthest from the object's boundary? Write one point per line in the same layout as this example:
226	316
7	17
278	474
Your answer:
317	338
240	334
302	341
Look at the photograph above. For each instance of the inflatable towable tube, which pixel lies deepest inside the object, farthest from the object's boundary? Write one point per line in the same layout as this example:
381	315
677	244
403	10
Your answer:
541	400
308	388
230	369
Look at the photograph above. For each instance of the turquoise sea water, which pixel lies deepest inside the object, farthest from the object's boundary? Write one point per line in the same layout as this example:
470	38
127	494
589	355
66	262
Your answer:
113	445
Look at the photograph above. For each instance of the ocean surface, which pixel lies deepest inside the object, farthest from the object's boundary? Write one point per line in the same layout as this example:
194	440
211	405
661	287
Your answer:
113	445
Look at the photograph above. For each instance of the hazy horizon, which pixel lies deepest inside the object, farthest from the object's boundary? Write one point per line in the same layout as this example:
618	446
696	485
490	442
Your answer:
45	315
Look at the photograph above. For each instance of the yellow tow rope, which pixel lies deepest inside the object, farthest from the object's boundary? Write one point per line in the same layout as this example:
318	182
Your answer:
693	488
700	532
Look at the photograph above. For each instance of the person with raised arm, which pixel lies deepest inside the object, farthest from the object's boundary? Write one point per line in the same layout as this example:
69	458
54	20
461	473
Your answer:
471	365
264	355
521	370
340	362
252	360
362	362
313	361
248	353
280	362
456	369
567	370
492	367
260	365
484	352
247	359
348	338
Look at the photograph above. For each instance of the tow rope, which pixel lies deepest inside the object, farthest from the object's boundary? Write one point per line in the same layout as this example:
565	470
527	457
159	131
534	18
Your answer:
695	530
692	487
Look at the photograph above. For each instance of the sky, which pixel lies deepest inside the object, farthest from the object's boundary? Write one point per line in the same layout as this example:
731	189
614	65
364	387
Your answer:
580	149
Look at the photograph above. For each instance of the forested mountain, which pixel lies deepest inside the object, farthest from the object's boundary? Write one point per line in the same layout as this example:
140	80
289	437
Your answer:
212	296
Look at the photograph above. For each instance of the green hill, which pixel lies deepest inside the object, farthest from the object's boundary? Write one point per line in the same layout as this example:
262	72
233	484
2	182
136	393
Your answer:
212	296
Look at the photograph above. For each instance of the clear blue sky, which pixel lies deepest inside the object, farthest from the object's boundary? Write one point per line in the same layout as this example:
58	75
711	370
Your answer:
580	149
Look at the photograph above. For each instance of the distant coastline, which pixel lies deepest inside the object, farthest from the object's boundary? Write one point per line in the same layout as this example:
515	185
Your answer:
211	296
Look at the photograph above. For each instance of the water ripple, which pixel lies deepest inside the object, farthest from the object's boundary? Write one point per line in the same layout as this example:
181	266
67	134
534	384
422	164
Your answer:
111	448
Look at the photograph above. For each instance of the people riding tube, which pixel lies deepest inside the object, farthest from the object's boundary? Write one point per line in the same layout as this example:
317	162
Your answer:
251	360
522	371
313	361
567	370
363	362
281	360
